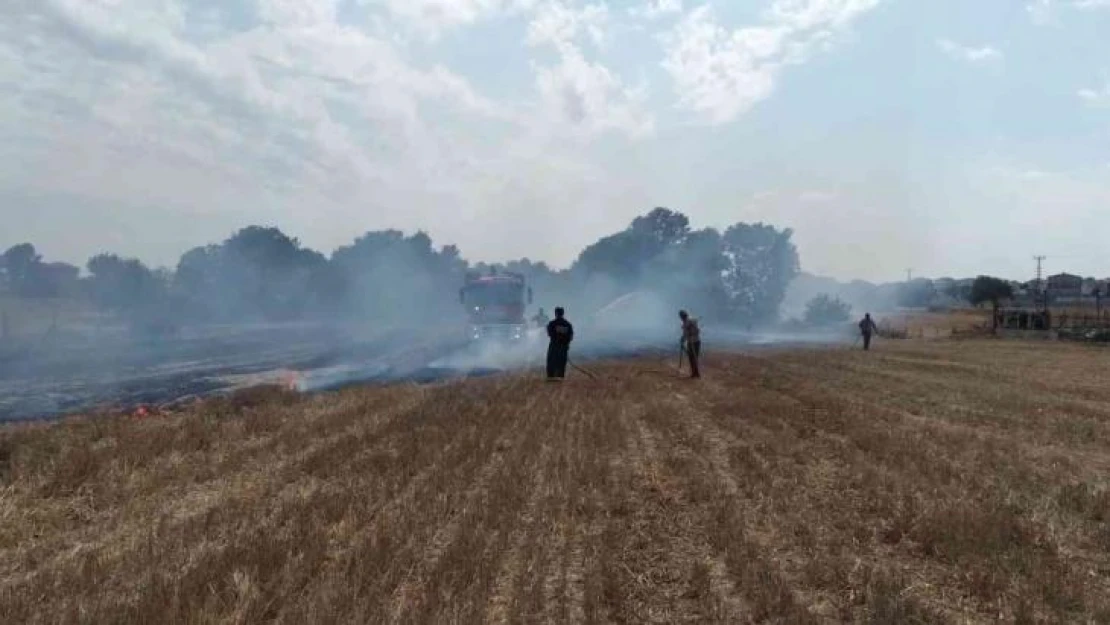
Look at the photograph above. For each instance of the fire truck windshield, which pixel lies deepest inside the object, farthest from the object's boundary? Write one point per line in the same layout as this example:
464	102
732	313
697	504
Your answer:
494	295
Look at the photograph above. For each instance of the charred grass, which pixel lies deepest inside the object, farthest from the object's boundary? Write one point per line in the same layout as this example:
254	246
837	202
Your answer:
923	482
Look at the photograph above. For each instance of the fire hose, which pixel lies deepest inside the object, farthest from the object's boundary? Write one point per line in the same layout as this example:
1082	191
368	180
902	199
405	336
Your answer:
591	375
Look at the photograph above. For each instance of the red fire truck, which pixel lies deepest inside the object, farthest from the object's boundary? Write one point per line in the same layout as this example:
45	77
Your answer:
495	304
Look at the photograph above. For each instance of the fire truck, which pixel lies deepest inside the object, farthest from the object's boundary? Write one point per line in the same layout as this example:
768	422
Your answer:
494	305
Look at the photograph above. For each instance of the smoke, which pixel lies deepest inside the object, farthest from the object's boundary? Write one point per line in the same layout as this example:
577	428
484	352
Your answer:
480	357
260	308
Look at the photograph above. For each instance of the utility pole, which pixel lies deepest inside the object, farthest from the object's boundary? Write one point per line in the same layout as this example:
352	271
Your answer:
1040	289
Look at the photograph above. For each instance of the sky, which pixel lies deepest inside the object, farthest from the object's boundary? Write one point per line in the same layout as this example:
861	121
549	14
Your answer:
944	137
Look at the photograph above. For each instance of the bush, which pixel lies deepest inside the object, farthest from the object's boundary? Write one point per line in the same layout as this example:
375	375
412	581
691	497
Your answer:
824	310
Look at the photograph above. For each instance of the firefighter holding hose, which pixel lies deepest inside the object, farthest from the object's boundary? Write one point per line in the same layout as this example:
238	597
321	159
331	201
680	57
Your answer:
561	333
690	341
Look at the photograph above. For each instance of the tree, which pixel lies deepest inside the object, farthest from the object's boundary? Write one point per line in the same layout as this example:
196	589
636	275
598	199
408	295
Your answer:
662	226
917	293
19	263
51	280
256	273
688	274
959	292
759	263
124	285
625	255
994	290
394	278
824	310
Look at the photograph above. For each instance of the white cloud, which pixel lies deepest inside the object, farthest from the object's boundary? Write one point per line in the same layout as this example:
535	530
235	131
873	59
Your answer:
817	196
1043	12
970	54
721	74
434	16
1096	97
588	97
280	111
559	24
655	9
579	94
1040	11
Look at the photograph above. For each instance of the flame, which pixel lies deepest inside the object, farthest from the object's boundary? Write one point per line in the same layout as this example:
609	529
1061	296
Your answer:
291	380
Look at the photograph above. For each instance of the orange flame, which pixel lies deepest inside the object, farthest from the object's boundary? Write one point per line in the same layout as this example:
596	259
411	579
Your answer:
291	380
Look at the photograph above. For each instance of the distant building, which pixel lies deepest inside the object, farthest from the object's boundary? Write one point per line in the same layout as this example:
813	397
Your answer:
943	285
1064	287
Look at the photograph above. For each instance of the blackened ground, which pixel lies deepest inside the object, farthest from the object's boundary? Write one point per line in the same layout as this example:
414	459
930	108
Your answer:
115	372
76	373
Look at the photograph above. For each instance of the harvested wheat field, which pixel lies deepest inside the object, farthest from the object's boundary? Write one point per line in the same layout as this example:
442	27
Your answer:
933	481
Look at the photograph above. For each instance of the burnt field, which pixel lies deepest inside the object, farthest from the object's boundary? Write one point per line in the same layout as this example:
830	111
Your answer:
82	373
948	481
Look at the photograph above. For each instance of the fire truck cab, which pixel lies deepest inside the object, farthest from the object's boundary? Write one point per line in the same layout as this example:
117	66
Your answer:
495	305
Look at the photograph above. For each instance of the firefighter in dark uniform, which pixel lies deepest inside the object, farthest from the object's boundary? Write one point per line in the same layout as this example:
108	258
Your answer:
540	319
866	327
561	333
691	341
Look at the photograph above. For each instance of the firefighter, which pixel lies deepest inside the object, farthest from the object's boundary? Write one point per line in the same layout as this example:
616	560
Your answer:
561	333
540	319
690	341
866	326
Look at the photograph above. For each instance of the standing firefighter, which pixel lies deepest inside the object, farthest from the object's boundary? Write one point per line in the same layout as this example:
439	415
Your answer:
691	341
866	326
540	319
561	333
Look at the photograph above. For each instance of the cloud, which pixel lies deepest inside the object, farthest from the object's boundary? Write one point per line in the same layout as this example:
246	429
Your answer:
1096	97
583	95
1040	11
558	24
589	98
721	73
312	116
432	17
817	196
970	54
655	9
1043	12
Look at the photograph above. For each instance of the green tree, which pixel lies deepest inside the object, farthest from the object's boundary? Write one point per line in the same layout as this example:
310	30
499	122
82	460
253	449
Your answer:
994	290
824	310
257	272
759	263
19	263
120	284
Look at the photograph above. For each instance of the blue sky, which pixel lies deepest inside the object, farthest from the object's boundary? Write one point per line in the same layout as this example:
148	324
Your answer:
948	136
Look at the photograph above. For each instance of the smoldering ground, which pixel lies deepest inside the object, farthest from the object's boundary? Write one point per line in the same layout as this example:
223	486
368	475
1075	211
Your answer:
318	357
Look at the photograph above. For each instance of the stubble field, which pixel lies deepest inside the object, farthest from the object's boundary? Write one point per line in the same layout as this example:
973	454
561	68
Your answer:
939	481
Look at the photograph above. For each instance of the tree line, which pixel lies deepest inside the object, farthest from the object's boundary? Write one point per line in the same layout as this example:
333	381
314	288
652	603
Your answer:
260	273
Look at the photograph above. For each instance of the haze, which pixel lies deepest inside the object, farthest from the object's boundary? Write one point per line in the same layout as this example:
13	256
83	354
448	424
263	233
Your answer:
952	137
